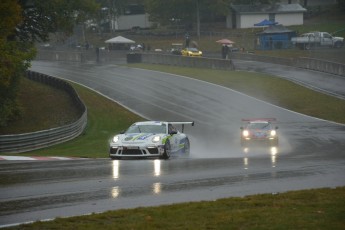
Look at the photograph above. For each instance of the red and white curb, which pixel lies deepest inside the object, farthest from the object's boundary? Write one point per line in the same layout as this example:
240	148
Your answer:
36	158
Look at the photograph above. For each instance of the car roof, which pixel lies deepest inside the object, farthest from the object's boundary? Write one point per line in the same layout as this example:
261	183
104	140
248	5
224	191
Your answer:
258	121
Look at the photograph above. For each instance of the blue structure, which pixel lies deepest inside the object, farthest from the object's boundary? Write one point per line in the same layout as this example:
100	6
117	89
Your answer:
266	23
274	37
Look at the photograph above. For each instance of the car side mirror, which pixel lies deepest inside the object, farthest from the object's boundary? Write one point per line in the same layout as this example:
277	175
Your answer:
276	127
241	128
122	132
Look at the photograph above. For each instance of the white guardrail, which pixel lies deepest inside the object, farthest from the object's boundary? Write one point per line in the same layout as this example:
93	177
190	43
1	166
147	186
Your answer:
18	143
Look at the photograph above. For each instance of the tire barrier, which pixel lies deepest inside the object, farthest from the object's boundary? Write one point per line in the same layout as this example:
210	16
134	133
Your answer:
17	143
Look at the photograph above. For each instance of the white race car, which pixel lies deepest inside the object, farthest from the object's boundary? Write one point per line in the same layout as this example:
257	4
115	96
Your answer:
157	139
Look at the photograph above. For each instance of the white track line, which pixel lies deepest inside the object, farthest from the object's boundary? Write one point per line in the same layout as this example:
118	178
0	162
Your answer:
35	158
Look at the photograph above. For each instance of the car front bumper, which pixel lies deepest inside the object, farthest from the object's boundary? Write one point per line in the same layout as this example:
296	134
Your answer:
253	140
136	151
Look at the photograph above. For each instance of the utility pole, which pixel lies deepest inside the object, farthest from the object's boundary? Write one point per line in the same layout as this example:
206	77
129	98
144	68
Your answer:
197	19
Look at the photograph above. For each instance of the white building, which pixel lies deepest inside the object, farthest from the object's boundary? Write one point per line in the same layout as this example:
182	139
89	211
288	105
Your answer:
133	17
127	22
245	16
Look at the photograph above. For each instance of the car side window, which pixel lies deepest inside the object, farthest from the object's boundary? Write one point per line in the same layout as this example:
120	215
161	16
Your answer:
171	128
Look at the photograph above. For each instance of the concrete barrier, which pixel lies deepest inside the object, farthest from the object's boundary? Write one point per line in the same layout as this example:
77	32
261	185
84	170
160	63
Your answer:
303	62
260	58
321	65
194	62
59	56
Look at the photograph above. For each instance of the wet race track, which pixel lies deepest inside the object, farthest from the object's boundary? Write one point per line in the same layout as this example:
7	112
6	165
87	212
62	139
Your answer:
311	153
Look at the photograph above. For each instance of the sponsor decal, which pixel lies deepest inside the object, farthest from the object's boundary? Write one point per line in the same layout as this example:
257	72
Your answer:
128	138
165	139
144	136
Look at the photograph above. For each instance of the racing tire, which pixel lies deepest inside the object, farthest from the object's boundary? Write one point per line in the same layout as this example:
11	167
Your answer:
186	148
167	150
307	46
338	45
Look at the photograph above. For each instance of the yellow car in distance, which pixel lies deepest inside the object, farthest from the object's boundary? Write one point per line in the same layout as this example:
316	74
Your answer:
191	52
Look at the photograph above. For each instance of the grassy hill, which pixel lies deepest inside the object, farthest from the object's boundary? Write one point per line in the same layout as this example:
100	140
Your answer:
42	107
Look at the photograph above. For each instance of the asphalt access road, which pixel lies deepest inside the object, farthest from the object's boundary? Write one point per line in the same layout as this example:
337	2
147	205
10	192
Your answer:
310	155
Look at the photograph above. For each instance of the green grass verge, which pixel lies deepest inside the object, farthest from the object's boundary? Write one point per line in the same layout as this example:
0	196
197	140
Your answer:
42	107
268	88
308	209
105	119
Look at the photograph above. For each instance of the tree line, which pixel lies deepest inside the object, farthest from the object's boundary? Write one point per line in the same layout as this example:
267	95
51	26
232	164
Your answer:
22	24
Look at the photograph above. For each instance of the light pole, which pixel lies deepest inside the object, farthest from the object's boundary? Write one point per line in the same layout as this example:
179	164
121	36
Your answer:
197	19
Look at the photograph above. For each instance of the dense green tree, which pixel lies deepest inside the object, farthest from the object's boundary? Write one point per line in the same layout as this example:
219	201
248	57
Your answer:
110	9
13	60
341	4
22	23
41	17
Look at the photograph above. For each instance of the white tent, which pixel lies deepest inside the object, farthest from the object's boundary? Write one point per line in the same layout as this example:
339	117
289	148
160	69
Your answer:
120	40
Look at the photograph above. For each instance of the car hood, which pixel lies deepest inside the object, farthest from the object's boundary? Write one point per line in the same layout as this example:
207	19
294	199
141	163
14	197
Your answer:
259	130
339	38
139	137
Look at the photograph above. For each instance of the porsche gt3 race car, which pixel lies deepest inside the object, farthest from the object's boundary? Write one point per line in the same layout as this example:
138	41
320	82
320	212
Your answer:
259	130
146	139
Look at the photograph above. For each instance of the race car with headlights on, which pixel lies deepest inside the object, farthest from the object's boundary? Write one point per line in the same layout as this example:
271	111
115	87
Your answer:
259	130
158	139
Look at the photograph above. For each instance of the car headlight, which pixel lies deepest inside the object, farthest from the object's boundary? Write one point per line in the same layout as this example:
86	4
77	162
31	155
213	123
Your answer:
245	133
116	139
273	133
156	139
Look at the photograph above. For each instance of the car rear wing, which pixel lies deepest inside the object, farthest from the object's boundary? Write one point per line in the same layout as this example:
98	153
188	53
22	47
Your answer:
259	119
182	123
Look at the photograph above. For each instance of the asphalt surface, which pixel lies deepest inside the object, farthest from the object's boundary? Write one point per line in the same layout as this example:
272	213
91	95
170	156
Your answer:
311	153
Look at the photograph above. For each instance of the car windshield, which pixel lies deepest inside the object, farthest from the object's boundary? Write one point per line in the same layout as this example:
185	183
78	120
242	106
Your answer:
147	129
258	126
193	49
